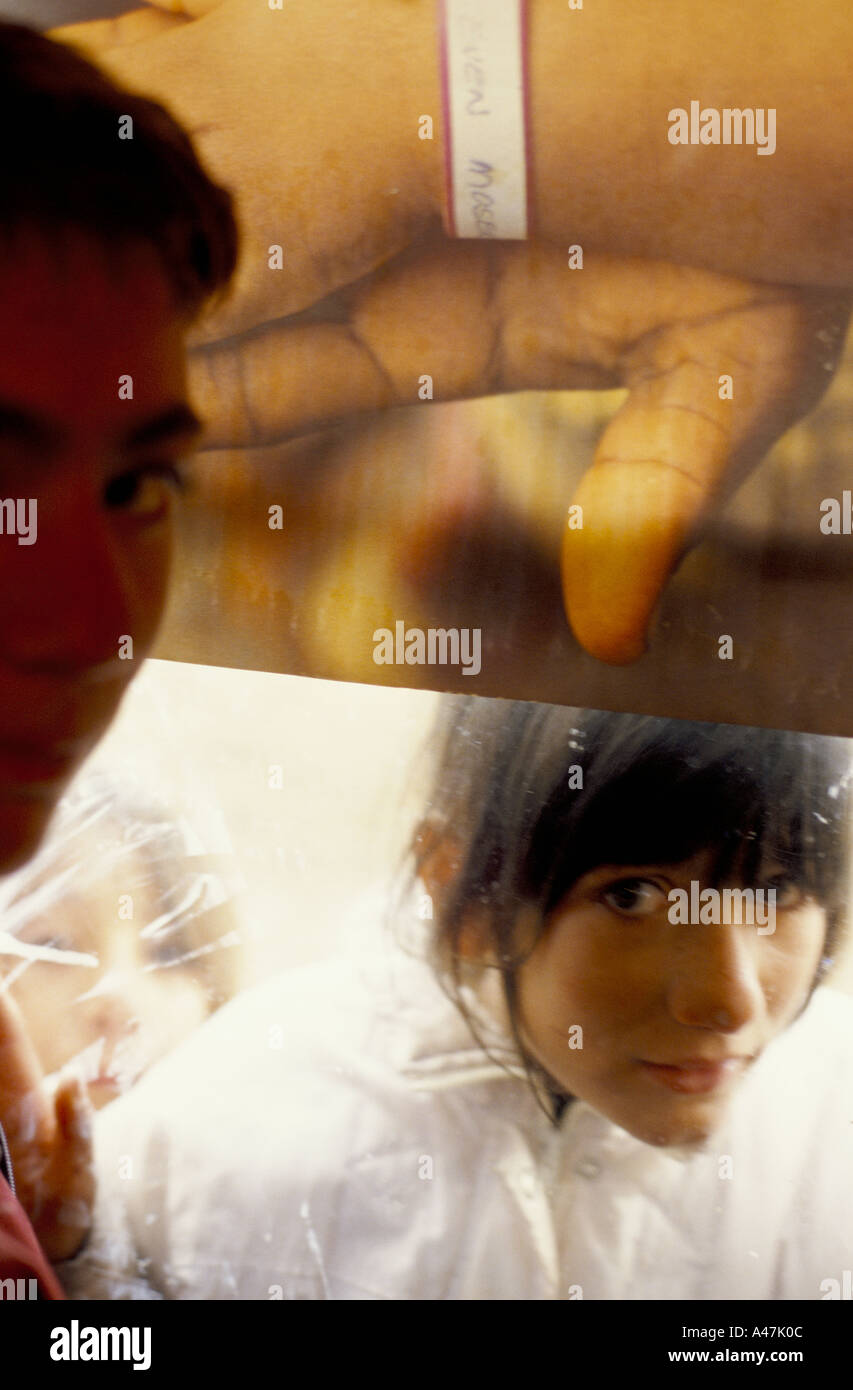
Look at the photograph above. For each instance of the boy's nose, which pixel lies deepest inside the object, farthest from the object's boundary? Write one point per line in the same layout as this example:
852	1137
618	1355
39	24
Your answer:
716	984
71	601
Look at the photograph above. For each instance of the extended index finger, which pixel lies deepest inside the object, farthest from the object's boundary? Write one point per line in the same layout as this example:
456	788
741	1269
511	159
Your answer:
722	392
20	1071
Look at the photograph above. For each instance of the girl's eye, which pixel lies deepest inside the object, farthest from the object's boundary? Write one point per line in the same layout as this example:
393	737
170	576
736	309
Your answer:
146	491
634	897
34	936
167	950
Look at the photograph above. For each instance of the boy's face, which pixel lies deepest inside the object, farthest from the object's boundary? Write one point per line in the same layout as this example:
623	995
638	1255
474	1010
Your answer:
672	1014
92	571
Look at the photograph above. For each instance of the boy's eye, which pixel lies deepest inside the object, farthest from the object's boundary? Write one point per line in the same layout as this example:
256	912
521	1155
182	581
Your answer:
634	897
145	491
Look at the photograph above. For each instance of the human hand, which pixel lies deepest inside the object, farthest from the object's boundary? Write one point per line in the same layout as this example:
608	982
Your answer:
519	319
345	197
50	1141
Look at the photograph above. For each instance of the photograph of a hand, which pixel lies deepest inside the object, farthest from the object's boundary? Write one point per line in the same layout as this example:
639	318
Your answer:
716	368
369	297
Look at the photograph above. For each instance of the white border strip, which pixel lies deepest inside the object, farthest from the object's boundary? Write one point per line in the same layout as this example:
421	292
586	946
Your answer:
483	75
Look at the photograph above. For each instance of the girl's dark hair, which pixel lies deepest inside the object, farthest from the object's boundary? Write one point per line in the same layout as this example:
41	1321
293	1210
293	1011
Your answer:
532	797
65	167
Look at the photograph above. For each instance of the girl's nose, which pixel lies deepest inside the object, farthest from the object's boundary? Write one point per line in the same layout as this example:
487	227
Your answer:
110	1015
717	985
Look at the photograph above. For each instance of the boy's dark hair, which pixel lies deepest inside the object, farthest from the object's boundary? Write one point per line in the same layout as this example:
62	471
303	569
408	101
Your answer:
534	796
64	167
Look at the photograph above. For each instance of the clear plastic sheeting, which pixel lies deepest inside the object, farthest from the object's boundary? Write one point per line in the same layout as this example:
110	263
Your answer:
338	1130
221	831
120	936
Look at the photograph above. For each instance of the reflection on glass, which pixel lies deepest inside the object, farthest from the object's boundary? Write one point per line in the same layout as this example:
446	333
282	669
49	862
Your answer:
586	1046
119	942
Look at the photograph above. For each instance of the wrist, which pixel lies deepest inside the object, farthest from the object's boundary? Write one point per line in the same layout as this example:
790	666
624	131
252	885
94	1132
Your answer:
413	92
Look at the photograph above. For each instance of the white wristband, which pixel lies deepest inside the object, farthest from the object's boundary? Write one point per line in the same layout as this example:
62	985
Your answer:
482	47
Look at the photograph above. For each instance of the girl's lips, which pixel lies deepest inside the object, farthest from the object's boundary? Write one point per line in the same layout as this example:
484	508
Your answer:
694	1078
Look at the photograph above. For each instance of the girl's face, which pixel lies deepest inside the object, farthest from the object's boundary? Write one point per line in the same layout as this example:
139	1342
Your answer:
671	1015
115	1018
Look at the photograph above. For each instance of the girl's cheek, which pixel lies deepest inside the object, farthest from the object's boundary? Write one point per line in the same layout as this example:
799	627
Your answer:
170	1005
789	962
46	992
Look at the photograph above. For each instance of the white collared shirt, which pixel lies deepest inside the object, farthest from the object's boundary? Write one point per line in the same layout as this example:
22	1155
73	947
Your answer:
338	1133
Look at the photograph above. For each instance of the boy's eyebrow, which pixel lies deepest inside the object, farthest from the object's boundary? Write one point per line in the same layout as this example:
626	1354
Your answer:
34	430
173	422
43	434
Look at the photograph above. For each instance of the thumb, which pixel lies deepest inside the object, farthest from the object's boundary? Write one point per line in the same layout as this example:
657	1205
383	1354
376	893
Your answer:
96	36
74	1116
